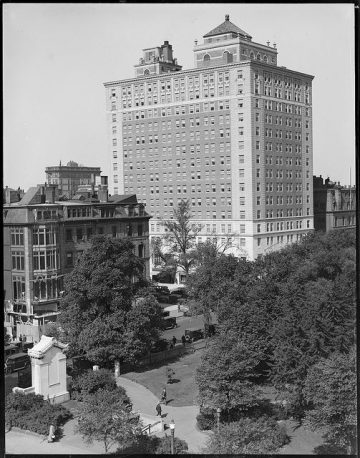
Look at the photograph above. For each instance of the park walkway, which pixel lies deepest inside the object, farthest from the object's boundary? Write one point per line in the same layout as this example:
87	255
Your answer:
144	401
23	443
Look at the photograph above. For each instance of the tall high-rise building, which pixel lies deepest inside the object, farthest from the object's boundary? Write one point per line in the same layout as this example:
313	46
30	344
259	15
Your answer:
233	135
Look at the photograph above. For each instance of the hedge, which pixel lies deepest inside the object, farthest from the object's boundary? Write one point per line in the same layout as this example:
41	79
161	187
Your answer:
32	412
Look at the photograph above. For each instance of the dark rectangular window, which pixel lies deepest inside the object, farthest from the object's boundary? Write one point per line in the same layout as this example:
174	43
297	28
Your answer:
129	230
79	234
89	233
140	229
69	259
113	230
68	235
100	230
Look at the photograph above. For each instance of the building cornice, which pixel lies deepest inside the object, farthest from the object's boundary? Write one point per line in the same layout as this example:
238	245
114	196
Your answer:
138	80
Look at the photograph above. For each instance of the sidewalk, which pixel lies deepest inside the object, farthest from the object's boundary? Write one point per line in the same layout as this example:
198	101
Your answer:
144	401
17	442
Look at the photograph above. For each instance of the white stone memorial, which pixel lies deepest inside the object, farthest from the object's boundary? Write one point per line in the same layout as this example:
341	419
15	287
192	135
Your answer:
48	370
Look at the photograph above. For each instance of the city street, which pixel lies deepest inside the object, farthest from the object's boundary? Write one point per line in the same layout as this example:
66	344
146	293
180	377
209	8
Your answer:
185	322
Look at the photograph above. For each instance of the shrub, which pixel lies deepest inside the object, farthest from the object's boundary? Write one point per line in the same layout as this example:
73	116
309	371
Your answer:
206	419
145	445
91	381
164	446
32	412
248	436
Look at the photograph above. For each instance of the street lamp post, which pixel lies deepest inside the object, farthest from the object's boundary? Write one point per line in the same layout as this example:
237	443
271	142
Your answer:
218	412
172	428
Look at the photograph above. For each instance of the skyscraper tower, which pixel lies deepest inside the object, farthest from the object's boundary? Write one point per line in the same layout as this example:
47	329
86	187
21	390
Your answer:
233	135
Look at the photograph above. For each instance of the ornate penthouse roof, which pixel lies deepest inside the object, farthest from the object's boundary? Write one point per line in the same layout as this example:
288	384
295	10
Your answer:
226	27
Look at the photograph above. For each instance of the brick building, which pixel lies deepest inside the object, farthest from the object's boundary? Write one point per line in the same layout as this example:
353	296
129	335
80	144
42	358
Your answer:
233	135
68	177
334	205
43	238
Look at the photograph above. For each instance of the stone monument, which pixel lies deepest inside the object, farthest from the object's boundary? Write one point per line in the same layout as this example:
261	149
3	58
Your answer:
48	370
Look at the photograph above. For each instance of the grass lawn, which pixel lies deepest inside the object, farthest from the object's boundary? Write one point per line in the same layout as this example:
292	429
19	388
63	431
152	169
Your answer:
181	393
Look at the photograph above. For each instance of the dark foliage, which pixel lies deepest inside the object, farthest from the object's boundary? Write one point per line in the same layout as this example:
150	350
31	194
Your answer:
101	313
248	436
278	317
33	413
91	381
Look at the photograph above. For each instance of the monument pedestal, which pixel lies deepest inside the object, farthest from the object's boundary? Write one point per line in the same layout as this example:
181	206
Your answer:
48	370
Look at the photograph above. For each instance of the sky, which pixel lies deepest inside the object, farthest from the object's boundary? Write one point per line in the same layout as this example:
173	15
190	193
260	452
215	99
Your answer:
56	58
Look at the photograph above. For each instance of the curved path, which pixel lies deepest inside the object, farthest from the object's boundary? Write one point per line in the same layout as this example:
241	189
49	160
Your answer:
144	401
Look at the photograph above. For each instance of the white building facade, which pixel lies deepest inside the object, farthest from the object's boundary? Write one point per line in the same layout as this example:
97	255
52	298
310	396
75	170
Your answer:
232	135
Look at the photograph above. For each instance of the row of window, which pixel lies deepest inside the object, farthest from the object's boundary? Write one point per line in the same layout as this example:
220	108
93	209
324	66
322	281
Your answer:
278	147
83	234
283	107
208	148
202	107
176	123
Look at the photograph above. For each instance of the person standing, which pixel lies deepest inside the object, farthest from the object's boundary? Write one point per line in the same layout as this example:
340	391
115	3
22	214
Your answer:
174	340
158	409
183	340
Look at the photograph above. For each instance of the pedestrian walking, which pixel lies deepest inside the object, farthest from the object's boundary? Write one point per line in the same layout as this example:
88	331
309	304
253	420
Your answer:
163	396
158	409
174	340
183	340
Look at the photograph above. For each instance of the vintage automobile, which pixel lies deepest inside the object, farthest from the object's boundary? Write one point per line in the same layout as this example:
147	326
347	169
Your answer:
193	334
169	322
16	362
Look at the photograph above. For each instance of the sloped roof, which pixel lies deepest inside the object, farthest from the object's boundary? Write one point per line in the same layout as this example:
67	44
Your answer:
226	27
39	349
123	198
29	196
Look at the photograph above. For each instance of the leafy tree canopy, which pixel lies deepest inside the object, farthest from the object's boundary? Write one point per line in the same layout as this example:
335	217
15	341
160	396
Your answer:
247	436
99	313
289	309
104	417
330	388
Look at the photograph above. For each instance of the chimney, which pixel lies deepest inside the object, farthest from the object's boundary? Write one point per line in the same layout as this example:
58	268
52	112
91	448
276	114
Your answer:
103	192
227	17
167	52
7	195
51	194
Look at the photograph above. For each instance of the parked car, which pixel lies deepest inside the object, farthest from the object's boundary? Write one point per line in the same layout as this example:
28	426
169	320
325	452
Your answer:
10	350
193	334
169	322
16	362
181	292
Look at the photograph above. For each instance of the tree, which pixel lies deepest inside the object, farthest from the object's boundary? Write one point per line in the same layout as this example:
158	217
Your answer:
53	329
225	376
162	258
288	309
330	388
100	312
104	417
181	236
247	436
